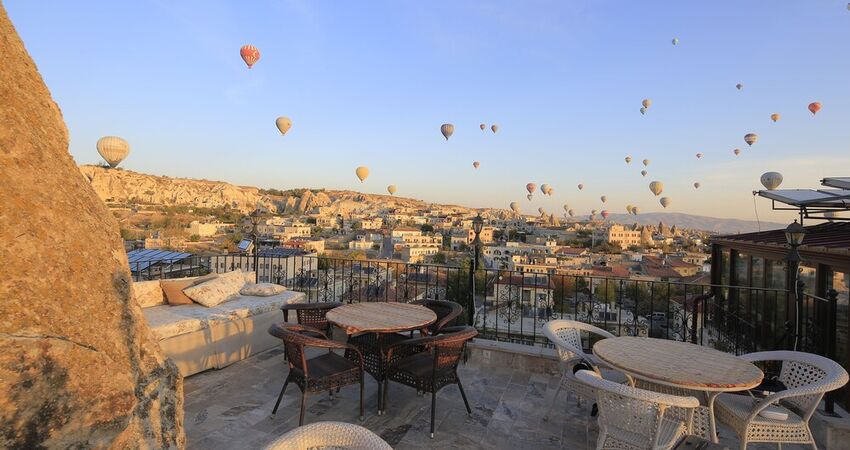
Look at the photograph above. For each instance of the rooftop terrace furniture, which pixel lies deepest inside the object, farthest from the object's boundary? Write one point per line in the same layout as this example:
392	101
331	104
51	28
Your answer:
322	373
566	335
807	378
428	364
446	312
635	419
197	338
313	315
329	435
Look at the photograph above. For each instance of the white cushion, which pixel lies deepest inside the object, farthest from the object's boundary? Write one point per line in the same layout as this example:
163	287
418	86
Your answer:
242	306
213	292
261	289
148	293
167	321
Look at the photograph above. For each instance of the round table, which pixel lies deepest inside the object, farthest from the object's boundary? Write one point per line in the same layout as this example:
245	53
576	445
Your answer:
680	365
381	318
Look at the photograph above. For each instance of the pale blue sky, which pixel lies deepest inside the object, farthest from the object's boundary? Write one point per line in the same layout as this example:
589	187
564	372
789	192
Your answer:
369	83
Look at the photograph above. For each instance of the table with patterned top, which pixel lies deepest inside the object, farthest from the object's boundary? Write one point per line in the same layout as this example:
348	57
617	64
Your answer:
376	325
682	366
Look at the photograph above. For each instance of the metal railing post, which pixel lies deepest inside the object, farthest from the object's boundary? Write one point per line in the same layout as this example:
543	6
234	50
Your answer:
831	334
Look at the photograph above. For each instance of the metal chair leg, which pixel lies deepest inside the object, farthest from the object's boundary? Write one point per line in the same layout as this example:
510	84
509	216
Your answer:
554	401
362	414
303	408
463	395
383	399
279	397
433	410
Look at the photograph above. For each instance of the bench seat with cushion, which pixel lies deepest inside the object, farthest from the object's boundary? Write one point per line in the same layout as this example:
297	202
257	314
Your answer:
198	338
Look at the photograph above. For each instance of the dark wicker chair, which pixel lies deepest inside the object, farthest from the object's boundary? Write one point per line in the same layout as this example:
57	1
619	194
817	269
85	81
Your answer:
322	373
429	363
313	315
446	312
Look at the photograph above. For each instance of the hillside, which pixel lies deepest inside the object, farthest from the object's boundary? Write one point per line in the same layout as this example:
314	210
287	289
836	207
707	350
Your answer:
713	224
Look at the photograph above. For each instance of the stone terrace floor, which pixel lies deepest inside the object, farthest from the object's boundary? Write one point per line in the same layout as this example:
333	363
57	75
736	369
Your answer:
231	409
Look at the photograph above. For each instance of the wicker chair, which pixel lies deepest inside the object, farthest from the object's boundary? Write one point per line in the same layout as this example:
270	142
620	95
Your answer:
322	373
566	335
311	314
329	435
806	376
632	418
446	312
429	364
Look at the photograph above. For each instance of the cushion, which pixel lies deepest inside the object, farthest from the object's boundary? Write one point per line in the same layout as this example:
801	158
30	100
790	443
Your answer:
244	306
261	289
148	293
169	321
217	290
173	289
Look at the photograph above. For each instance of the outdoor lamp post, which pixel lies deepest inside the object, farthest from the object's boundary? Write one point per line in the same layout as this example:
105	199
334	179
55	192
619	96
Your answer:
477	225
249	226
794	235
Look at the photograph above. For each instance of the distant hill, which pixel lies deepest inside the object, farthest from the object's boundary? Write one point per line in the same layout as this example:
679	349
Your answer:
721	226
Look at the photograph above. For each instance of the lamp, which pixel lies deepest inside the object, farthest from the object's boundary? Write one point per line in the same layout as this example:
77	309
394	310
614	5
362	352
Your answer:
794	234
477	224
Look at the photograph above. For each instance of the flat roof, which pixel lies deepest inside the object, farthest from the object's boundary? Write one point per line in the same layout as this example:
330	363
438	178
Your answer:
829	236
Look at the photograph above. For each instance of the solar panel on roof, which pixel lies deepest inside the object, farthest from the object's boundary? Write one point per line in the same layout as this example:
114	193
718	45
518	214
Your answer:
837	182
826	198
141	259
244	244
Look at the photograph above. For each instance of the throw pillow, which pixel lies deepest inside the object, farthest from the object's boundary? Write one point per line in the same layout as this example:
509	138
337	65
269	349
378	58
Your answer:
261	289
173	289
218	290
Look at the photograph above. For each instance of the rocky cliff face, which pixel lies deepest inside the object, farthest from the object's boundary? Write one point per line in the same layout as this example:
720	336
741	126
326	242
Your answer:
79	367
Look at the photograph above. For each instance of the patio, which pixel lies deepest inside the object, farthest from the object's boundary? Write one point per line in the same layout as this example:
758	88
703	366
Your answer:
231	408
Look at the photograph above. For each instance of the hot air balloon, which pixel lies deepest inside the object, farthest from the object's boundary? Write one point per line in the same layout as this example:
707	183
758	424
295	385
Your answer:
751	138
656	187
699	155
249	54
605	214
593	212
646	103
665	201
391	189
362	172
646	163
643	110
737	151
447	129
580	186
775	117
814	107
739	86
550	191
629	209
603	198
283	124
771	180
515	207
628	159
541	210
495	128
566	207
675	41
530	187
529	197
848	6
476	164
697	185
571	213
482	126
643	173
544	188
635	210
113	149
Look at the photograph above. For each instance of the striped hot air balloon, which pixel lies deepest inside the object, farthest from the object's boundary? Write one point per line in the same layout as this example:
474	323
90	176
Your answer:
249	54
113	149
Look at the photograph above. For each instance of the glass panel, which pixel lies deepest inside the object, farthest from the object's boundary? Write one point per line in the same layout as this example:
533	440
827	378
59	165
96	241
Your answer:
742	275
807	277
775	274
758	272
724	266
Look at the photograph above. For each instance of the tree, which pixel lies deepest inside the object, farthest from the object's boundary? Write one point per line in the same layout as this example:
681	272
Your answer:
194	238
439	258
427	228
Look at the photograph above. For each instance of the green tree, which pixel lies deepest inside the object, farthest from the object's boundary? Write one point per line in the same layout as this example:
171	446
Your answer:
427	228
194	238
439	258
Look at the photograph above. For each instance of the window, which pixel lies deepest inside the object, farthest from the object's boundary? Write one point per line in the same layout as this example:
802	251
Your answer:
724	266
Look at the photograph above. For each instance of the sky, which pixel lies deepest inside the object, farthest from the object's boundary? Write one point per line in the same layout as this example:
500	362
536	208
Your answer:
370	83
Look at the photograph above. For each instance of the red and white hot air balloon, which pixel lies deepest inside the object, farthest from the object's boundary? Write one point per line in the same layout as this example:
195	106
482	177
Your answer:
249	54
814	107
605	214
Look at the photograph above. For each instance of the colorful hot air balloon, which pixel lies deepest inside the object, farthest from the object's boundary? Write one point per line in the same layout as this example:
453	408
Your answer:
628	159
494	128
775	117
739	86
362	172
249	54
447	129
515	207
571	213
697	185
814	107
530	187
482	126
665	201
643	110
113	149
603	198
699	155
635	210
605	214
643	173
580	186
751	138
550	191
646	103
737	151
476	164
656	187
646	163
283	124
771	180
391	189
544	188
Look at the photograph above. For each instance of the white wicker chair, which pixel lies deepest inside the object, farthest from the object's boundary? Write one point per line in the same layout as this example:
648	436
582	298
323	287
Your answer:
634	419
329	435
566	335
806	376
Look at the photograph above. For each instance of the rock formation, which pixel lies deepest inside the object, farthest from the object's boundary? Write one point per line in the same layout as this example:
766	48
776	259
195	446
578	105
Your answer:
79	367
